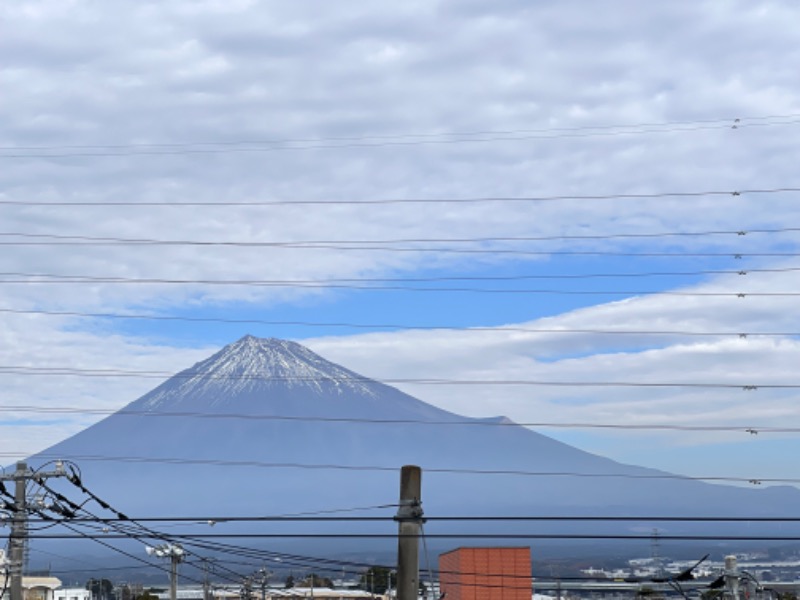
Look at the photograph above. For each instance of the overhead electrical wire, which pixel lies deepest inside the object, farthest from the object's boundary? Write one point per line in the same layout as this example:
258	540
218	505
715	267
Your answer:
285	560
749	429
734	254
730	121
124	530
552	135
397	326
221	519
136	530
394	469
352	568
58	239
124	526
49	279
189	374
367	282
77	534
482	536
467	200
360	570
255	564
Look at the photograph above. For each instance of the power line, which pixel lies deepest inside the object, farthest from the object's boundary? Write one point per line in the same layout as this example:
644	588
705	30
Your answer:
189	374
126	531
749	429
217	519
729	121
474	200
236	550
293	560
393	469
367	281
50	279
453	328
57	239
131	151
131	528
738	255
483	536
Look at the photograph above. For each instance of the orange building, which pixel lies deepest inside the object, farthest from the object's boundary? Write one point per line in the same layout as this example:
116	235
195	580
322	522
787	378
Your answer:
486	574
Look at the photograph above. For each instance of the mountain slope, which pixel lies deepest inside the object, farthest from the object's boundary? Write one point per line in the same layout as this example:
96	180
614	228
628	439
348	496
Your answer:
266	426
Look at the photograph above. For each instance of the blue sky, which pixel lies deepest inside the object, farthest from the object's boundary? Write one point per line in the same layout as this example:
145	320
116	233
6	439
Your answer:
302	123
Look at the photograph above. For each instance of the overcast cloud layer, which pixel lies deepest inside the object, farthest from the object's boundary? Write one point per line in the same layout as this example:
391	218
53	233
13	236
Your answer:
149	105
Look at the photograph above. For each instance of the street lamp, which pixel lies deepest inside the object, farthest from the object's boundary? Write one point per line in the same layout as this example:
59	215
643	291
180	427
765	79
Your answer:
175	553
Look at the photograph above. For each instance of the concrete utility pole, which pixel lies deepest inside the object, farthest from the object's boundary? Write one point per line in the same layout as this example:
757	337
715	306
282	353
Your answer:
19	532
732	577
175	553
409	518
18	539
207	566
264	580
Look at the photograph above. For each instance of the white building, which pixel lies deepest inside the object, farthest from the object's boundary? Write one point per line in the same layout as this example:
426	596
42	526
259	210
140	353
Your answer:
36	588
72	594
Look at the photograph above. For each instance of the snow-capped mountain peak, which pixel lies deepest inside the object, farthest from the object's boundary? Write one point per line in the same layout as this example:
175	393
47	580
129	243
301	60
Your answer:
253	363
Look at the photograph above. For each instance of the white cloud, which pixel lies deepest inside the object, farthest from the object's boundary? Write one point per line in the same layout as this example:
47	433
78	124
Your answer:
82	74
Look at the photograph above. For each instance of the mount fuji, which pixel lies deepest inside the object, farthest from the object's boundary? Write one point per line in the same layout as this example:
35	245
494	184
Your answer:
267	427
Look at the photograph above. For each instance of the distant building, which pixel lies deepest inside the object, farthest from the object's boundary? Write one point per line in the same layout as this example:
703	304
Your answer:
35	588
72	594
500	573
301	593
295	593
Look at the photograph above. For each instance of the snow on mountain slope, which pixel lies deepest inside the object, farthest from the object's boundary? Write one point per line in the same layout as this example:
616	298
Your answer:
257	364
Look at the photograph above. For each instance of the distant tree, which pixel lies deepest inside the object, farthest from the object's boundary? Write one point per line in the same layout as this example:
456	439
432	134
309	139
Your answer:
375	579
314	580
101	589
146	595
648	593
289	583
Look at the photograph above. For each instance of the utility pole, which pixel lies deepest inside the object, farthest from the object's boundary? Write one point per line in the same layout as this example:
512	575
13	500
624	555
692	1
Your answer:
207	566
732	577
19	532
173	577
409	519
18	540
175	553
264	579
247	591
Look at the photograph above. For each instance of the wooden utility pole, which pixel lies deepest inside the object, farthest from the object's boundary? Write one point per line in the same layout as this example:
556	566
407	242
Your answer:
409	519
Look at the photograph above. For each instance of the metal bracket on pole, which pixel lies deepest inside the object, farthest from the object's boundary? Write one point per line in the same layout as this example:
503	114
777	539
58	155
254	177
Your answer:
409	511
